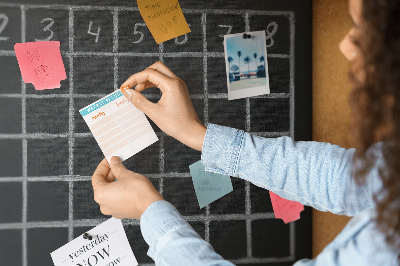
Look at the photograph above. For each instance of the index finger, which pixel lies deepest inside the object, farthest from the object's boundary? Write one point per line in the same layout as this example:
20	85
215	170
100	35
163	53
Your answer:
157	78
160	67
100	175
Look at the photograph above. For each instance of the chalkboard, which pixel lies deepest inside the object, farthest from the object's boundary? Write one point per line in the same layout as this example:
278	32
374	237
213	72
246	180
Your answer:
48	153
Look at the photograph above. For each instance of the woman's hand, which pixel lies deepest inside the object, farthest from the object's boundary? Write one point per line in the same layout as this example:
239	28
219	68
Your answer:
173	113
128	197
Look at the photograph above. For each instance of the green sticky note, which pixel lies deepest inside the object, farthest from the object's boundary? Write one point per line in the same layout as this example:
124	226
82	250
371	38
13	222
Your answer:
209	186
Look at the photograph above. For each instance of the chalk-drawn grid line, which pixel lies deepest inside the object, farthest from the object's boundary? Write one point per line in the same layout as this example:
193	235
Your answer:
24	238
72	136
149	96
292	112
95	222
89	134
68	178
124	8
71	128
247	183
145	54
205	102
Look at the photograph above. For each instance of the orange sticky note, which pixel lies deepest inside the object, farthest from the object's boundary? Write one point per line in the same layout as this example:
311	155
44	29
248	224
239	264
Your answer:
41	64
164	18
284	209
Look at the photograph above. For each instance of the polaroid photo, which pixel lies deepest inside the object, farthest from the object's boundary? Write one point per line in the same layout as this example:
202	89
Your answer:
246	64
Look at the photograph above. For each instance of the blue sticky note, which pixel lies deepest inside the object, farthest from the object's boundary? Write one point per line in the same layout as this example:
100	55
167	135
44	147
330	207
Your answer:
209	186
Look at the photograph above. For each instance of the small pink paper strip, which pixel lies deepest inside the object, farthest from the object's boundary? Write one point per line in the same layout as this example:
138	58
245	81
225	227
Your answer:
41	64
284	209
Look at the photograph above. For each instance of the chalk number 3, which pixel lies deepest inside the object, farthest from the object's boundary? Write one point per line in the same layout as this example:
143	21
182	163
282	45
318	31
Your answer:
4	21
47	28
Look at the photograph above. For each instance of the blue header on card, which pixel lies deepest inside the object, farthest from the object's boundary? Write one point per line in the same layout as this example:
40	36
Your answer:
100	103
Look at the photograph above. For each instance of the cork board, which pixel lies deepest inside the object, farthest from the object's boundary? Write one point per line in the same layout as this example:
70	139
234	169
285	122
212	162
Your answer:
331	89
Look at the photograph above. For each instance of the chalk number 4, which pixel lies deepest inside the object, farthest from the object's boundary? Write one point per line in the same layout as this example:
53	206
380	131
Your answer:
4	21
97	34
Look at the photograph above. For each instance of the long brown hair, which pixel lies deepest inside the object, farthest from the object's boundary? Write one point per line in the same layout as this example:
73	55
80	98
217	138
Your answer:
375	103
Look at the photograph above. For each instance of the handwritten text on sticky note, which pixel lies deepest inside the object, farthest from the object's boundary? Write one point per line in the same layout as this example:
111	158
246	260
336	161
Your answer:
209	186
164	18
284	209
41	64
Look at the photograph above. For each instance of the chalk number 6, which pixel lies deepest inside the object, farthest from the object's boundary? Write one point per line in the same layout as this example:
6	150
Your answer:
47	28
3	25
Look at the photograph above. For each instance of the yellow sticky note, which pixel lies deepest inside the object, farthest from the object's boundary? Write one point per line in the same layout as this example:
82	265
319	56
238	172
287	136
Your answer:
164	18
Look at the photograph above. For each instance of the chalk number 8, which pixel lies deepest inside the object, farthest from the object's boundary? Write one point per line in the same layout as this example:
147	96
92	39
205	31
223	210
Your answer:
47	28
3	25
271	30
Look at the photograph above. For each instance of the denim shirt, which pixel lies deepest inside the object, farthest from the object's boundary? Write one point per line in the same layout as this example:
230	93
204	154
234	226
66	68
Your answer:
312	173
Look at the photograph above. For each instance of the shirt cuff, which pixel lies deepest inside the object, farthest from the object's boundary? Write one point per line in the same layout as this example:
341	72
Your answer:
158	219
221	149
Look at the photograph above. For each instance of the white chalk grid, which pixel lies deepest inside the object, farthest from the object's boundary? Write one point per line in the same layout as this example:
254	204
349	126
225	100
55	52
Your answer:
49	196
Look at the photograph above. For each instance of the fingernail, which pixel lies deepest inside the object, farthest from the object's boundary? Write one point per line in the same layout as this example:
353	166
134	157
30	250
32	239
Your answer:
126	87
115	160
129	92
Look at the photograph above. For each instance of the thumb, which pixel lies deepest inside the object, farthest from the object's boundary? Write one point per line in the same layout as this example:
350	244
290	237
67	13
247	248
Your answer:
117	167
138	100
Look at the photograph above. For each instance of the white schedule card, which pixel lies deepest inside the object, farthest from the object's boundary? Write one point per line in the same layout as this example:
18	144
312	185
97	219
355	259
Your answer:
107	246
118	126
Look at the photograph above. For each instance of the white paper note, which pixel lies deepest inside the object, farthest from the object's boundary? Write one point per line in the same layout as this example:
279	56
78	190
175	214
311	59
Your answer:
118	126
109	247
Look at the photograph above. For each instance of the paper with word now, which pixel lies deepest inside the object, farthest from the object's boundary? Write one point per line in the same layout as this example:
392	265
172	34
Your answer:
41	64
164	18
288	211
209	186
108	246
118	126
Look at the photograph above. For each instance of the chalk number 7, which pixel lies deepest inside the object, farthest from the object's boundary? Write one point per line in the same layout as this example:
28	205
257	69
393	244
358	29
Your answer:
3	25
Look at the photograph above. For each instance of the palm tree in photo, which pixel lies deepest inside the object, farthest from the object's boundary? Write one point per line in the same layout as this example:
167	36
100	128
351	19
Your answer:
262	59
239	55
234	68
255	58
247	60
230	60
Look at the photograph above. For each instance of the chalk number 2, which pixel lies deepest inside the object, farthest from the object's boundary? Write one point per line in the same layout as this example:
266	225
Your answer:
4	21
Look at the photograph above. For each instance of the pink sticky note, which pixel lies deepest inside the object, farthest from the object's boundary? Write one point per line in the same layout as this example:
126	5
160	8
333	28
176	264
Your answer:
41	64
284	209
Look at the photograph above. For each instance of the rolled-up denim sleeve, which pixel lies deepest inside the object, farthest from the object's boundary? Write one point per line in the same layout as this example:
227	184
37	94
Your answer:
172	241
313	173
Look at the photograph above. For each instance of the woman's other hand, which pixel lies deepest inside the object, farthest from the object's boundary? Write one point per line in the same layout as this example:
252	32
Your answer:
128	197
174	112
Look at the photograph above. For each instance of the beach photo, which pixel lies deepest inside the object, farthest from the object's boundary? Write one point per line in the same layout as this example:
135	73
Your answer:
246	64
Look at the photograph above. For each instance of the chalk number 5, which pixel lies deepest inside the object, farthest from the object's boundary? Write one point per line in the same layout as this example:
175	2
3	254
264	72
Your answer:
135	31
4	19
47	28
